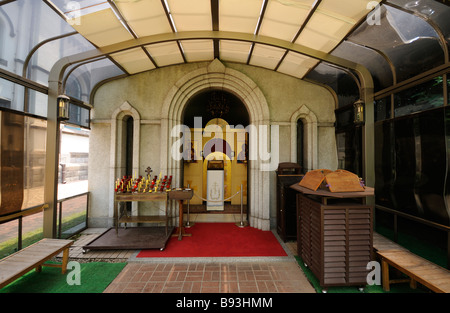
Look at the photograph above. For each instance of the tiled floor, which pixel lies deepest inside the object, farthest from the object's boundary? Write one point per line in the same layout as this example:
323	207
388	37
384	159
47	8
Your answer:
254	277
198	275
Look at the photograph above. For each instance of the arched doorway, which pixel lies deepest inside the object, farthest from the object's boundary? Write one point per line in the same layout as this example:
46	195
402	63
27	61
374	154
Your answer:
216	75
217	120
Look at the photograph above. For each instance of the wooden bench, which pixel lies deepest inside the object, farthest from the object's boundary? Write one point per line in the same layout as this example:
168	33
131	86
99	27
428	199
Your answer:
34	256
432	276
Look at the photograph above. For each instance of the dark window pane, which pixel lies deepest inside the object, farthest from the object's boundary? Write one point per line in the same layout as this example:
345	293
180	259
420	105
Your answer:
419	98
342	82
372	60
383	109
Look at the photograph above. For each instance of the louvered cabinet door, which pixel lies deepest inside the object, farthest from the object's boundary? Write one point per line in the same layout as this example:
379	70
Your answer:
334	246
360	243
335	241
304	229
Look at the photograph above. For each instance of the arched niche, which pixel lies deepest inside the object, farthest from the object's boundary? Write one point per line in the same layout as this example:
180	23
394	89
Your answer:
217	76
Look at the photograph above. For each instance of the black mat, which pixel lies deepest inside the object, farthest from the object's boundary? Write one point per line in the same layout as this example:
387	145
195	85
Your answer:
132	238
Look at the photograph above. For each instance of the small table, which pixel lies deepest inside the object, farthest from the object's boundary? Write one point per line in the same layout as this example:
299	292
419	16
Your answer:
180	196
130	197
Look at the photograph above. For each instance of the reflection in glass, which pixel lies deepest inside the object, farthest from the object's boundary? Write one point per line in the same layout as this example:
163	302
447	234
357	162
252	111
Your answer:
73	162
411	169
37	103
419	98
433	10
342	83
24	24
383	109
384	163
79	116
411	44
84	78
11	95
372	60
34	159
48	54
23	161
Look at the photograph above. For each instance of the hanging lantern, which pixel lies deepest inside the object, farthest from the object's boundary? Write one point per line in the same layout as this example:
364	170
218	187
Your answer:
358	108
63	107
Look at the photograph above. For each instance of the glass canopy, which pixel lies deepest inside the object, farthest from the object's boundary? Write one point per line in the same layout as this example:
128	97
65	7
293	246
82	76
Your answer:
399	40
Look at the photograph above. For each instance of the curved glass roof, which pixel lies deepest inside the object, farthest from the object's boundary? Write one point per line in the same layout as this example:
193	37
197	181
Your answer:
395	40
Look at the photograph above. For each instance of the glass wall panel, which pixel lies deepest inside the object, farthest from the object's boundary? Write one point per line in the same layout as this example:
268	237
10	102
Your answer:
410	43
48	54
34	160
32	229
11	95
448	88
37	103
31	232
342	83
24	24
373	61
72	215
9	238
431	167
83	79
73	172
79	116
405	166
349	143
383	108
23	146
411	169
437	12
419	98
384	163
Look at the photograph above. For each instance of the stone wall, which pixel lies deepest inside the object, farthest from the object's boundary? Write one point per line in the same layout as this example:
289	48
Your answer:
143	95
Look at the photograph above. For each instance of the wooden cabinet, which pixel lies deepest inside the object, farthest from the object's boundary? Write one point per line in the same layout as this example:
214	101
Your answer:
287	174
335	239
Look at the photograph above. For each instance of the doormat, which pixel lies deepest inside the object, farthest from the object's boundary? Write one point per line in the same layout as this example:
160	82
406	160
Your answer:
132	238
220	240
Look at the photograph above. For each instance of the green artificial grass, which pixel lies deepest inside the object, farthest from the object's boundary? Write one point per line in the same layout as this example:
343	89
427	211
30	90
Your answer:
94	278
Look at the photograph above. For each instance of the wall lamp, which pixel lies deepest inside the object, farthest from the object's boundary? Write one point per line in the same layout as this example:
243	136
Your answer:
63	107
358	108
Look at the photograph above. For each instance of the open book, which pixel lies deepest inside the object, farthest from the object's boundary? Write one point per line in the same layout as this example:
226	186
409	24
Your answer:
334	181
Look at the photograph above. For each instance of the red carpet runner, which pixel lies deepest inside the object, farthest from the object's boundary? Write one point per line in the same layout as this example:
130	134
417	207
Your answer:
220	240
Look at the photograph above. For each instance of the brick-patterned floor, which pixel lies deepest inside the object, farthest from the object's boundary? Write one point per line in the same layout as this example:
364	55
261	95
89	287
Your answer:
252	277
197	275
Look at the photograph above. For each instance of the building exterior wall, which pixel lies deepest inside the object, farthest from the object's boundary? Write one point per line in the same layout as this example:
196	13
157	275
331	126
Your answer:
284	99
